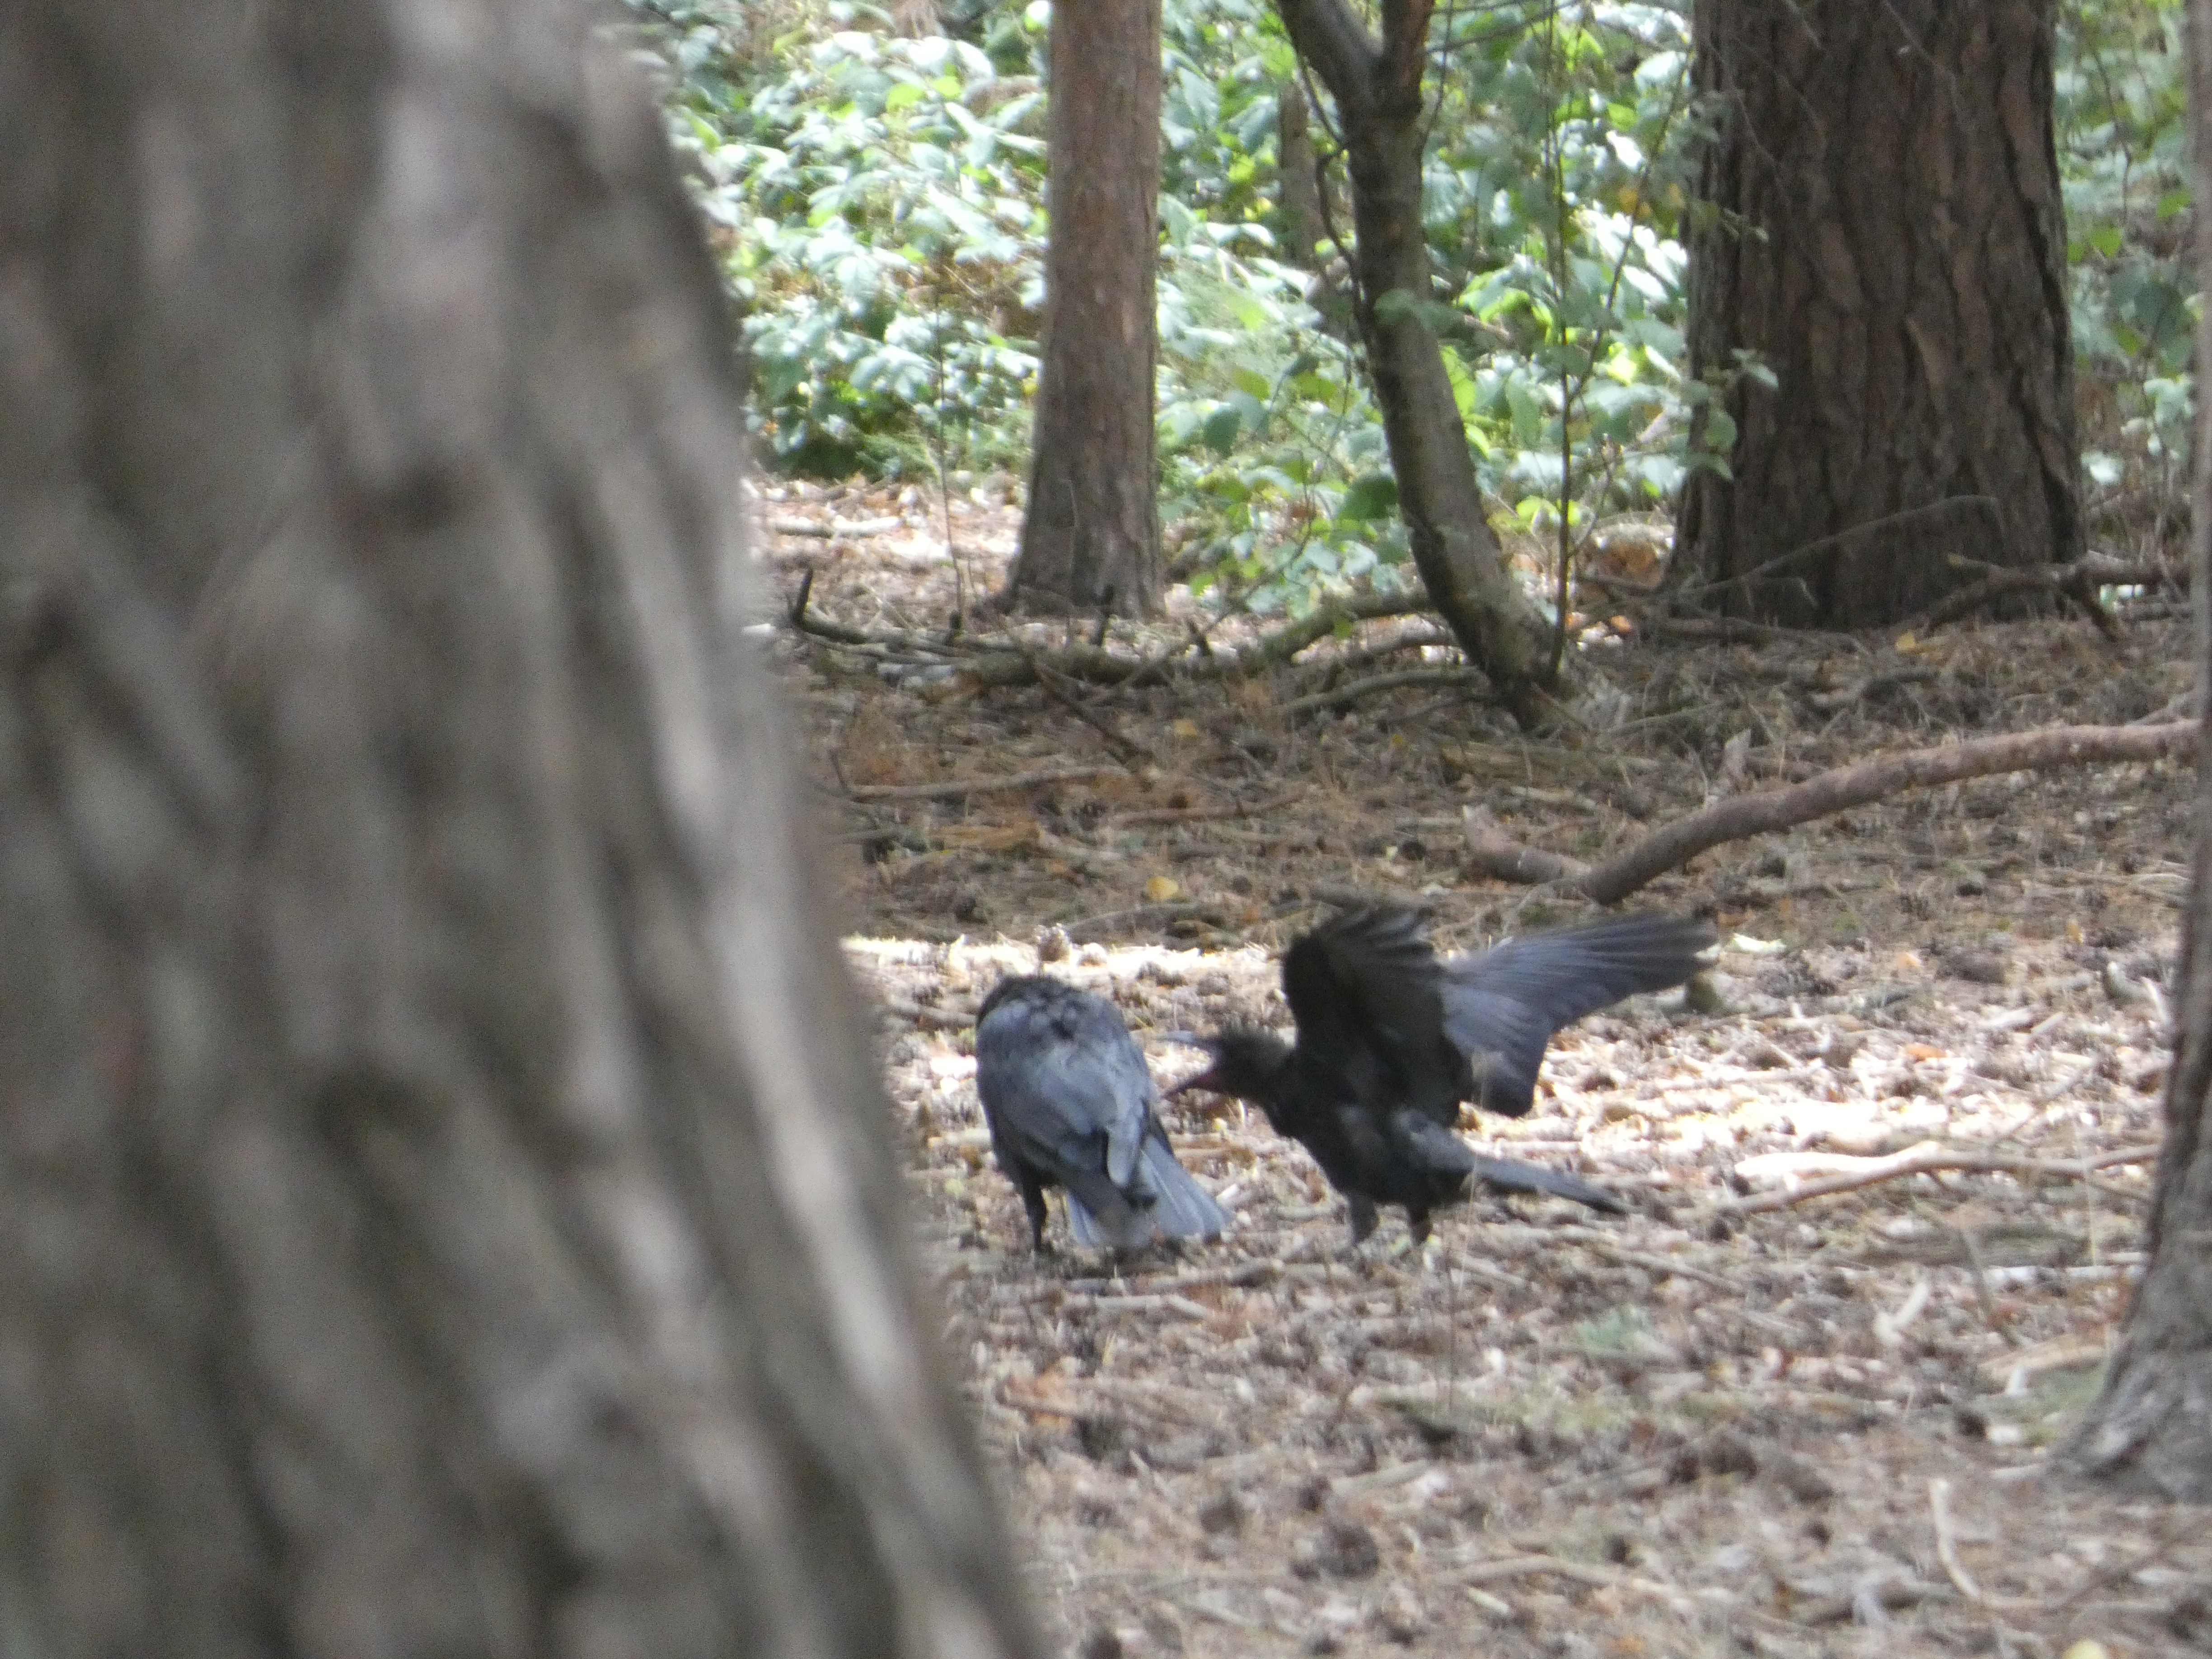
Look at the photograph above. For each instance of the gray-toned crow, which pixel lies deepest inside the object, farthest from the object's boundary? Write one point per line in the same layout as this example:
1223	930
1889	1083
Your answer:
1070	1104
1390	1040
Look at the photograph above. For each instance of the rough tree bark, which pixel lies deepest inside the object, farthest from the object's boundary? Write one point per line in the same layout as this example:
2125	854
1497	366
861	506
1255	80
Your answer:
1377	88
1091	535
2152	1427
444	1204
1298	171
1891	243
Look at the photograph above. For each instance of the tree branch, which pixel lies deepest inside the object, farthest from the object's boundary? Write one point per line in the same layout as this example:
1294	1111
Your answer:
996	661
1397	73
947	788
1926	1158
1742	816
1329	35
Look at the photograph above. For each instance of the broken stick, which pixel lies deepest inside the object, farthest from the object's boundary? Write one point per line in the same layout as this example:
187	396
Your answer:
1850	1174
1742	816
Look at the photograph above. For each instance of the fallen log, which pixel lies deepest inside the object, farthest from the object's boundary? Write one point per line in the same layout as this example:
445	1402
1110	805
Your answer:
1742	816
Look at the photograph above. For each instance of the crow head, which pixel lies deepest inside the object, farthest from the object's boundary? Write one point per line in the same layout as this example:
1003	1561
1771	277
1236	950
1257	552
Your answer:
1252	1066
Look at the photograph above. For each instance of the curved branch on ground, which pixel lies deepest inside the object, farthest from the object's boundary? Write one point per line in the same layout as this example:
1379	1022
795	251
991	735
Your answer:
988	661
2077	581
1820	1175
1742	816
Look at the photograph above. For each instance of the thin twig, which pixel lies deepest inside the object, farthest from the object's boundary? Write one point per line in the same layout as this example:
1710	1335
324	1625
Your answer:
1930	1157
1345	696
1126	748
950	787
1194	814
1947	1540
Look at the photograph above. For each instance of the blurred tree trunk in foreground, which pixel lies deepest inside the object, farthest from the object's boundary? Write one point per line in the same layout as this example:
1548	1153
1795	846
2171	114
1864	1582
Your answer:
1090	530
1886	234
2152	1427
446	1207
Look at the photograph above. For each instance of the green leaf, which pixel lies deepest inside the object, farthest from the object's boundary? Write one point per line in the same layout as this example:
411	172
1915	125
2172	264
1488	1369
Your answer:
1375	496
1221	429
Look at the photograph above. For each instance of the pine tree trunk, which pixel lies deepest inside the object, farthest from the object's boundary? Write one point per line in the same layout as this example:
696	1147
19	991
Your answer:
1376	88
444	1204
1890	242
2152	1427
1090	534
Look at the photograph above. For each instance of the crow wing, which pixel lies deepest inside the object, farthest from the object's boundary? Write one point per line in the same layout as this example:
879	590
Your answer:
1368	994
1502	1006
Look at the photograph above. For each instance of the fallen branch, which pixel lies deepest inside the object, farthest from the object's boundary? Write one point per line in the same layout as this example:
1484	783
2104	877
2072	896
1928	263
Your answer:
1742	816
1054	685
992	661
1830	703
1494	853
1194	814
2078	582
1344	696
932	1019
1928	1158
1366	656
1591	1238
949	787
1580	1573
829	529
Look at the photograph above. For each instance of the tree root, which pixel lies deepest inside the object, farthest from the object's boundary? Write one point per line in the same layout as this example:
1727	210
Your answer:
1742	816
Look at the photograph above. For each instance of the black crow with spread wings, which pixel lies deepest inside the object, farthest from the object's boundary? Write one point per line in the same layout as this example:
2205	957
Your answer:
1390	1040
1071	1104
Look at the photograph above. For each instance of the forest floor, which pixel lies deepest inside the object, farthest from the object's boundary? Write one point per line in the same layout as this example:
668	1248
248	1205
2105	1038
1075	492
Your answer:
1708	1428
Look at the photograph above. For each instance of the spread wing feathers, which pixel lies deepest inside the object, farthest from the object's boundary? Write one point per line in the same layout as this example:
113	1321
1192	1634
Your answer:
1180	1208
1065	1091
1501	1007
1368	994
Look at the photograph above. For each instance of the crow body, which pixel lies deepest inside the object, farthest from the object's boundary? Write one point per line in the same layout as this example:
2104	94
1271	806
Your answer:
1391	1039
1071	1104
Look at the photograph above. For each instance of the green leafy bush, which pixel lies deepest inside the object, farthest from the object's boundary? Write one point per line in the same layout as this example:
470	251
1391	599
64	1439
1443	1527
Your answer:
2123	133
878	203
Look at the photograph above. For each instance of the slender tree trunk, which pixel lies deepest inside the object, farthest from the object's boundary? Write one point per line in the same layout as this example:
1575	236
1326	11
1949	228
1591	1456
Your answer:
1299	173
1376	88
2152	1428
1090	535
1890	242
444	1204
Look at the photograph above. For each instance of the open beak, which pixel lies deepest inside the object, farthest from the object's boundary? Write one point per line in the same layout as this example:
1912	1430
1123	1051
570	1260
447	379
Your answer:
1204	1080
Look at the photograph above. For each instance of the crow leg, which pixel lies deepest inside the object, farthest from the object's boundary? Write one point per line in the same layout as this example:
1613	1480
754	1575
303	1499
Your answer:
1033	1202
1362	1218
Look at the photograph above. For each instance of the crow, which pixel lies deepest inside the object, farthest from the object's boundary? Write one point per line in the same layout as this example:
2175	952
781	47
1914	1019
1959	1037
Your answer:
1390	1040
1070	1104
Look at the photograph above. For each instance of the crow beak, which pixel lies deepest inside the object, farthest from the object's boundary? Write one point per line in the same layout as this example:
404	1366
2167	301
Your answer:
1205	1080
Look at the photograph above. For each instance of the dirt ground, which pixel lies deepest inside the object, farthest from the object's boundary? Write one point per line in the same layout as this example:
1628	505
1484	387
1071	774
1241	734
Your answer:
1709	1427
